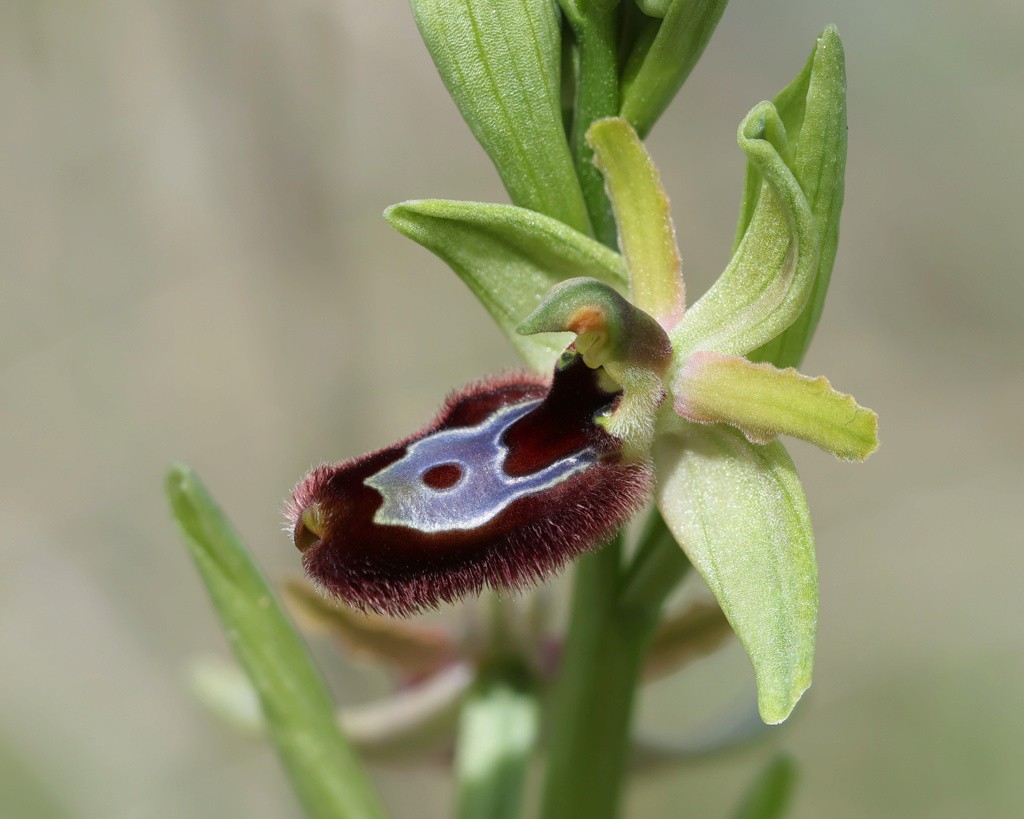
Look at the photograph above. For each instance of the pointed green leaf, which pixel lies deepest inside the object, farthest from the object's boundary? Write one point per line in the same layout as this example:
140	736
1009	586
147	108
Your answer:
769	795
739	513
813	109
770	276
647	236
763	402
501	63
324	770
663	57
509	257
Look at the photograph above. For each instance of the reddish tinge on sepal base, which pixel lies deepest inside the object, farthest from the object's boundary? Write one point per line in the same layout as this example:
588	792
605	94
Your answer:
511	481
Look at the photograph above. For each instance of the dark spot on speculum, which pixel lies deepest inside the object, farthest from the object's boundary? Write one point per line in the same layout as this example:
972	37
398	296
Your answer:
442	476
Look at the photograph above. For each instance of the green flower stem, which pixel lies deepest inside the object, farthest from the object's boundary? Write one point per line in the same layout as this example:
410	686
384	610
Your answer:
498	729
597	97
324	769
613	620
656	569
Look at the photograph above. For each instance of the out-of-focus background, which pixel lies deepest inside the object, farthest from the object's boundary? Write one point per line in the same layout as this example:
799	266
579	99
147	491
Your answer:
194	268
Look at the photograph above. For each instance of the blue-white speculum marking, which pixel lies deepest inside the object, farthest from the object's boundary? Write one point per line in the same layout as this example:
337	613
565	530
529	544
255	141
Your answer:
483	489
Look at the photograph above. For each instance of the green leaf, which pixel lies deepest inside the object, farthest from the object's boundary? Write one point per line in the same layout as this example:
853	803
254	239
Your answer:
739	513
769	795
647	236
498	730
664	56
324	770
813	109
501	63
764	401
770	276
509	257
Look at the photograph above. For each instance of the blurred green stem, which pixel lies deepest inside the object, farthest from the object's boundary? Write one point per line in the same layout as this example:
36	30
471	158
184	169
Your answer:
614	615
597	97
497	734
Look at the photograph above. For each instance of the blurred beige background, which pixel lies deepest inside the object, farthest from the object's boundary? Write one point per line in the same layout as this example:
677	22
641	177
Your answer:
193	267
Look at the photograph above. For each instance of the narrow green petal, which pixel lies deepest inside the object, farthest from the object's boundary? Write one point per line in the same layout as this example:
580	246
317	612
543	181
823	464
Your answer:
324	770
739	512
770	276
647	236
764	401
813	108
664	56
501	63
509	257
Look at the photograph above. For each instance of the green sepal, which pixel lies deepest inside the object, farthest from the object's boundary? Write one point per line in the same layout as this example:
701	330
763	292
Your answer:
663	57
813	109
763	402
739	512
647	237
509	257
501	63
768	279
321	764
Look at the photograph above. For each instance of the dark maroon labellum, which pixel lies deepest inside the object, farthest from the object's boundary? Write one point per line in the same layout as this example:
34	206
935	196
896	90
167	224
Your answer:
512	480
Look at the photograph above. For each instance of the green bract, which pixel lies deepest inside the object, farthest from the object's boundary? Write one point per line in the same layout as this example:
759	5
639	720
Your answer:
502	65
726	489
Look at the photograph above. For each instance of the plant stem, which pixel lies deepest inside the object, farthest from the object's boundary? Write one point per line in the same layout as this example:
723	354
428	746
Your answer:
597	96
612	622
497	733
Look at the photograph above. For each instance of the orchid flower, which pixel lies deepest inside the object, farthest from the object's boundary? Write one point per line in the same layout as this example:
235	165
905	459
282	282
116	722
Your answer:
632	399
520	474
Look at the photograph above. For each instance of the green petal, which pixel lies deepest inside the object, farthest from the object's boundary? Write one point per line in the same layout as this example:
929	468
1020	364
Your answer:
647	236
739	512
664	55
764	401
770	276
501	63
813	109
324	770
509	257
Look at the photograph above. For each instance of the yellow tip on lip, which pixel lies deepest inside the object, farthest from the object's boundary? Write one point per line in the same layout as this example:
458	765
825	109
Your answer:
310	527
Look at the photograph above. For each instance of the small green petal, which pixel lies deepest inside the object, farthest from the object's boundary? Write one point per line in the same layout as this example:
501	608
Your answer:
509	257
770	276
647	236
501	63
813	108
739	513
664	56
764	401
